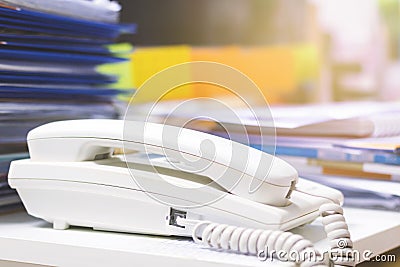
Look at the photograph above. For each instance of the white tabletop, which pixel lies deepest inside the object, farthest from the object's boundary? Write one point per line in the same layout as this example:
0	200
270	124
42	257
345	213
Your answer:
26	239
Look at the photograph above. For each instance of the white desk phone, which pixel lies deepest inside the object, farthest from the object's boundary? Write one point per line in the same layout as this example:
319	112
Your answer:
73	178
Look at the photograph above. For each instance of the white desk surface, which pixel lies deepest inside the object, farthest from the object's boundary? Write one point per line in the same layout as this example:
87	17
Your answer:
26	239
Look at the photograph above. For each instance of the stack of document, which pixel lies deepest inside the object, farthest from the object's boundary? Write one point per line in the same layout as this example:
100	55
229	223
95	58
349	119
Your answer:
51	54
354	147
357	167
9	200
349	146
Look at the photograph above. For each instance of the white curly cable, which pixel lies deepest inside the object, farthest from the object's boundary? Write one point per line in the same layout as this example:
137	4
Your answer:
268	242
338	235
252	241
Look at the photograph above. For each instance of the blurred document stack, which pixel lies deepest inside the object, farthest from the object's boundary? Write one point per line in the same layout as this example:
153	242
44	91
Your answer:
57	62
353	146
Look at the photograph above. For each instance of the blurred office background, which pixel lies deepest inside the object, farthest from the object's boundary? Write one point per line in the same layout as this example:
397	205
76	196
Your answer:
300	51
322	50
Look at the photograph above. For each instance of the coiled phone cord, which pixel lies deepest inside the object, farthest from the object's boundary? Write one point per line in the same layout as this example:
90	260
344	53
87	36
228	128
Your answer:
267	242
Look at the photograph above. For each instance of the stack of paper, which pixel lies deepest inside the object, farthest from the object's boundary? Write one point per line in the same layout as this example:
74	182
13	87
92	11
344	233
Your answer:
9	200
319	141
52	57
326	150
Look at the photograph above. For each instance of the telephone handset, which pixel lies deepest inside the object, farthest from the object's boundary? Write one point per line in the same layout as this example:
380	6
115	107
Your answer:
275	177
74	178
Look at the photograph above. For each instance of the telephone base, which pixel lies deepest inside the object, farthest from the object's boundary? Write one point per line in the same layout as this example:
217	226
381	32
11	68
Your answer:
118	209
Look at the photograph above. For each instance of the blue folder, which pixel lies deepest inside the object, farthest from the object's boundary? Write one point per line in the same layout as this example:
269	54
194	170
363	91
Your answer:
6	53
56	68
76	48
51	39
54	78
317	149
335	154
6	91
34	21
